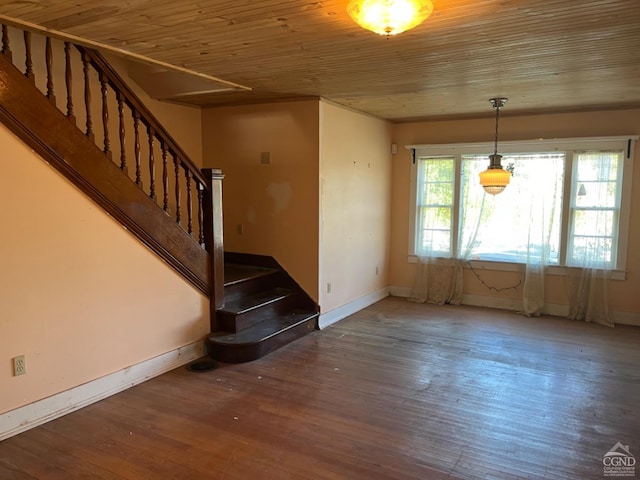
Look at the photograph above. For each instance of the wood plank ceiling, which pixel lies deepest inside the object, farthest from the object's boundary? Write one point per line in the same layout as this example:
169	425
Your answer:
550	55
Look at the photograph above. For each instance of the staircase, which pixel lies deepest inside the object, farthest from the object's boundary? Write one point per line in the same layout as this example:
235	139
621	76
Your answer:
264	309
88	124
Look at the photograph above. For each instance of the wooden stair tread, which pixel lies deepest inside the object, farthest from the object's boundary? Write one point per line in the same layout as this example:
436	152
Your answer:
237	273
264	330
256	300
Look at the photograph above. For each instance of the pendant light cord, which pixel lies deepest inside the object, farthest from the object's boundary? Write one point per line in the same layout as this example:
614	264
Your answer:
495	145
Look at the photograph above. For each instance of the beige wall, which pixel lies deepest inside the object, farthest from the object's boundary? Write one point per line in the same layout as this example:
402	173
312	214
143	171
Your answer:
603	123
80	297
355	194
276	205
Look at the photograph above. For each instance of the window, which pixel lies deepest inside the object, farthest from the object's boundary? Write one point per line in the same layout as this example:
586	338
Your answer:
435	205
522	221
568	201
595	207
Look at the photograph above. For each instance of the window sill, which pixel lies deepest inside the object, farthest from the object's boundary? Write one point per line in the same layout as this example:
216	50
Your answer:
519	267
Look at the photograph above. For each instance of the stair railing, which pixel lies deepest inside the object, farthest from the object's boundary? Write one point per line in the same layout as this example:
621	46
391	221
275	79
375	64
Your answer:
120	125
80	83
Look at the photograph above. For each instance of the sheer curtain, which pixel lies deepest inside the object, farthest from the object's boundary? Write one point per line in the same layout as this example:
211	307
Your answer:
589	295
595	205
434	281
439	273
435	273
458	223
539	179
520	225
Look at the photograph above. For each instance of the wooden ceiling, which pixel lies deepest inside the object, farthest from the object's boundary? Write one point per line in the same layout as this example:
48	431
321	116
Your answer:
544	55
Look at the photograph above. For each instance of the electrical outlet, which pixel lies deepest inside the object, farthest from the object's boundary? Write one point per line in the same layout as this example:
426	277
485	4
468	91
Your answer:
377	270
328	287
19	365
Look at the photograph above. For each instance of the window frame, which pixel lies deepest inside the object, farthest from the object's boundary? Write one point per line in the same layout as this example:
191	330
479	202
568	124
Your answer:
452	206
625	143
573	208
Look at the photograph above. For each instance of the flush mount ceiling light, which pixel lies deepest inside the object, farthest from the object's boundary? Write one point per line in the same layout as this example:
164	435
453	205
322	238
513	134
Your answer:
389	17
495	179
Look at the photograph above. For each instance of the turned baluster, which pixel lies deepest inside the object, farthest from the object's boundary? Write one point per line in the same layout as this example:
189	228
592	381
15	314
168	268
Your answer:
200	225
28	63
6	49
176	162
152	164
121	130
136	132
105	115
165	177
49	61
189	207
68	81
87	95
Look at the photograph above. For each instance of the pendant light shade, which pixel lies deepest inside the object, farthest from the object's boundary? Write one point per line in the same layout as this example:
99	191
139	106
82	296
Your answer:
495	179
389	17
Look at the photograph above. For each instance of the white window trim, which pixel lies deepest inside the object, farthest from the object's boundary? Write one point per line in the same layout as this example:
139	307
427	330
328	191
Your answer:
526	146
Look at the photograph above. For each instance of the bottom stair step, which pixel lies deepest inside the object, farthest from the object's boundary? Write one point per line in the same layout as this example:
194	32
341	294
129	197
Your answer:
260	339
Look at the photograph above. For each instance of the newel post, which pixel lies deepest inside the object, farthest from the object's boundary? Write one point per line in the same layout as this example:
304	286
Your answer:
213	239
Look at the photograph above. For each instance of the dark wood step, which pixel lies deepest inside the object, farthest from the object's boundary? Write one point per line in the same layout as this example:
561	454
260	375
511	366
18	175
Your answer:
237	273
264	337
247	280
264	308
244	312
257	300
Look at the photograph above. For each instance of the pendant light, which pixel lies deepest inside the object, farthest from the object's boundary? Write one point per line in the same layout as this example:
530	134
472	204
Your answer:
495	179
389	17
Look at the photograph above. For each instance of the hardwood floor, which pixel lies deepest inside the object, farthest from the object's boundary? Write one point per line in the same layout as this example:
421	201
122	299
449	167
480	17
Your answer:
397	391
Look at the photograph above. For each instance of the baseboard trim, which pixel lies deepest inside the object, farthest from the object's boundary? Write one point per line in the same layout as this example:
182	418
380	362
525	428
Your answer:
515	304
350	308
400	291
627	318
36	413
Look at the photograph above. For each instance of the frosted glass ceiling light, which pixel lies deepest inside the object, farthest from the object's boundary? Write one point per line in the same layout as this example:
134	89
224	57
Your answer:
495	179
389	17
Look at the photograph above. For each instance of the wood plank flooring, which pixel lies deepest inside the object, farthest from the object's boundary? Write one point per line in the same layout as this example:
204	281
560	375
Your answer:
397	391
